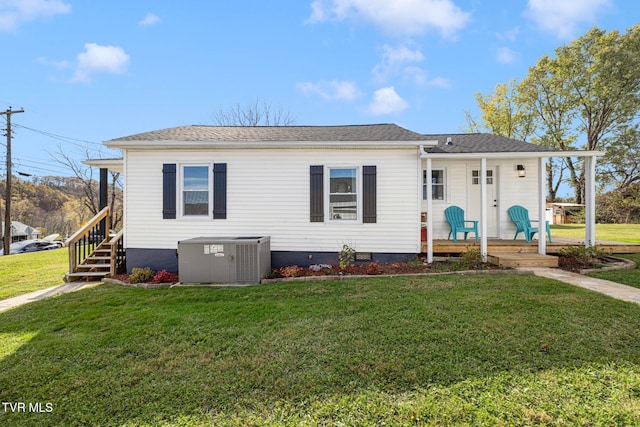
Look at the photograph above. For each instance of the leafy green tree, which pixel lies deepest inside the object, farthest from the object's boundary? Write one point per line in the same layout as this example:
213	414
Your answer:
620	167
589	90
502	113
582	98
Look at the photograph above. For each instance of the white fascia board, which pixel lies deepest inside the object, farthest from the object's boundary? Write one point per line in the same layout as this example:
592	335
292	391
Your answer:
512	155
256	145
116	165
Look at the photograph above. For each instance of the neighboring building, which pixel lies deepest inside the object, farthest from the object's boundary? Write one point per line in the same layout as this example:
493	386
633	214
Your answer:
20	231
565	213
313	189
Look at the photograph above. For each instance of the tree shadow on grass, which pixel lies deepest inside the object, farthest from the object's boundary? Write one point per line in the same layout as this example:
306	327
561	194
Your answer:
112	355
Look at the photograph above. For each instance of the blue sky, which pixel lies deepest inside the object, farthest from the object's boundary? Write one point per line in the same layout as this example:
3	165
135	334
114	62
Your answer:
89	71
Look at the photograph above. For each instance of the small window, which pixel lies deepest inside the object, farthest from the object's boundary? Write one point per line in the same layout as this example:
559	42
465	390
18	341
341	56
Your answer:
437	184
195	190
343	194
475	177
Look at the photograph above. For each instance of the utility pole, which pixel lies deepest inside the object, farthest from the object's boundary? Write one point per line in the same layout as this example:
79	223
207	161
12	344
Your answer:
8	189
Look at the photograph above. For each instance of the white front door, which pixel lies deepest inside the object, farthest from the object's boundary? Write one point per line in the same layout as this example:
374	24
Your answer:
473	198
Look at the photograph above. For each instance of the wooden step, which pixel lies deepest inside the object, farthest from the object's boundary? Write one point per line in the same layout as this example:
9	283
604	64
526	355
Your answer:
91	266
518	260
88	276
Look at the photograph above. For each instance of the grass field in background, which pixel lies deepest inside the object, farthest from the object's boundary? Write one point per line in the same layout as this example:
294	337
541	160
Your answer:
24	273
629	233
441	350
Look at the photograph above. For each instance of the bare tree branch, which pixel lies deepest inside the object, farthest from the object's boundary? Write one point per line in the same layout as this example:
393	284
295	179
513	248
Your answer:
257	113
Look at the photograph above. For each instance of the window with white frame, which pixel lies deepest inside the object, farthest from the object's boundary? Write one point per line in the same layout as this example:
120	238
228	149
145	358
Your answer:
196	190
437	184
343	193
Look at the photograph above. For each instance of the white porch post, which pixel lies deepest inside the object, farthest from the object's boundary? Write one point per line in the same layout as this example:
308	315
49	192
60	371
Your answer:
590	201
542	206
483	208
429	213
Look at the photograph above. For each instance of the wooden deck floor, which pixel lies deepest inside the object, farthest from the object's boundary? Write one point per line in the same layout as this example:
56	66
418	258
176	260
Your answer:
519	253
441	247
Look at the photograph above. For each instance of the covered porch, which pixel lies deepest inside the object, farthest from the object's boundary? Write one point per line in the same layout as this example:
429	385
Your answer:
495	236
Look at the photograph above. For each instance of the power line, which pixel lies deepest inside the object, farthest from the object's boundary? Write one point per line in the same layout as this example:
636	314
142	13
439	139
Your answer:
61	137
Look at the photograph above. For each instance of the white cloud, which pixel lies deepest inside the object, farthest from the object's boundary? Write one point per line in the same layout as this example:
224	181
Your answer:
394	60
60	65
387	101
419	77
149	20
510	35
100	59
439	82
400	17
332	90
504	55
562	17
14	13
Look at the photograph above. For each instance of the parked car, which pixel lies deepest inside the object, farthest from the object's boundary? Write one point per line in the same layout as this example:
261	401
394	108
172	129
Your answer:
54	238
35	245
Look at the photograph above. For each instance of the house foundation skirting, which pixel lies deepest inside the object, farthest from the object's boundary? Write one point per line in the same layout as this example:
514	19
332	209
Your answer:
156	259
305	259
167	259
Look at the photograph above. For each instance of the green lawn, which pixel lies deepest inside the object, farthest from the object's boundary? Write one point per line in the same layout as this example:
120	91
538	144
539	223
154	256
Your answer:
439	350
24	273
629	233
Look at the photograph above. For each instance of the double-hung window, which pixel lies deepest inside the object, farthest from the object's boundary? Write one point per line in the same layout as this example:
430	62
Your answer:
343	193
437	184
196	190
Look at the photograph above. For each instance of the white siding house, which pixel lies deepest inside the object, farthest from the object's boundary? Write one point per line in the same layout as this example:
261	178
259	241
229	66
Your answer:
313	189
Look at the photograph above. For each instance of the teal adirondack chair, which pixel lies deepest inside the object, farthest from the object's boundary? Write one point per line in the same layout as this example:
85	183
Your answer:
455	216
520	217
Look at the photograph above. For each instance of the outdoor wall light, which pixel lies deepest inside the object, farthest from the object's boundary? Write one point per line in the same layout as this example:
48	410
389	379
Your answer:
521	171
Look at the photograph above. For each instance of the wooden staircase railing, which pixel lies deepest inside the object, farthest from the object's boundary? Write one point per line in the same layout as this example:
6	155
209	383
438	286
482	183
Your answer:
93	252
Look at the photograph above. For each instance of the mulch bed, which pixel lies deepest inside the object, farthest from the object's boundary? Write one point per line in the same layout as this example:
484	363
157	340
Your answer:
569	263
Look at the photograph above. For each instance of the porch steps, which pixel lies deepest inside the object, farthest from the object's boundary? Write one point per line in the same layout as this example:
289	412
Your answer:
96	266
522	259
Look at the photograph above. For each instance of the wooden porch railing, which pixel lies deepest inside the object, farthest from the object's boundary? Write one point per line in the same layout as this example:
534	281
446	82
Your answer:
94	236
117	253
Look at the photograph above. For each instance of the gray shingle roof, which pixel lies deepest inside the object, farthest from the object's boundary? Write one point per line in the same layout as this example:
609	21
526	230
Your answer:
460	143
482	143
376	132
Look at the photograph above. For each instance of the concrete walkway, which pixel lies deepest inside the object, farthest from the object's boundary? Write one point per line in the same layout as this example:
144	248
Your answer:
8	303
607	287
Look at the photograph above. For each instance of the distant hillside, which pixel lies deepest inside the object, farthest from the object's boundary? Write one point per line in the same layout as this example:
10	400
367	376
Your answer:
54	204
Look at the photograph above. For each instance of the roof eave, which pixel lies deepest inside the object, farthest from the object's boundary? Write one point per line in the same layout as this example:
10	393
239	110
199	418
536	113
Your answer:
253	145
116	165
512	154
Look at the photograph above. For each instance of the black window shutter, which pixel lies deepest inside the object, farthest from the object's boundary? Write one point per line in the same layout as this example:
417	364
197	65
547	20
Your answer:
169	191
369	198
219	191
316	191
